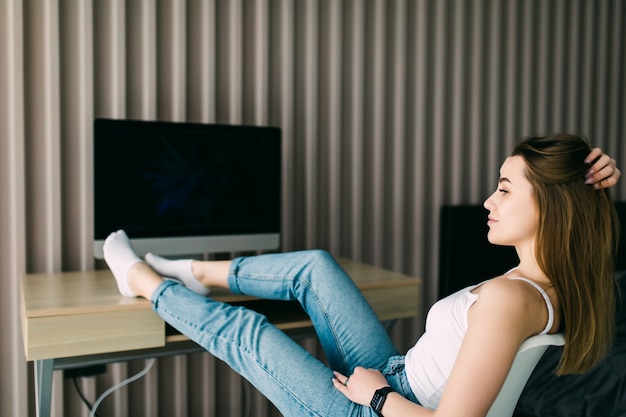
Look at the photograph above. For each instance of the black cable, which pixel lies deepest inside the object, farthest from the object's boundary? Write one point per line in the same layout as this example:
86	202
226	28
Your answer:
82	396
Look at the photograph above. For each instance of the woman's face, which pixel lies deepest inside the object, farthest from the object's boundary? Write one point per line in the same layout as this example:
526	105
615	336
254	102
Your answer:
513	213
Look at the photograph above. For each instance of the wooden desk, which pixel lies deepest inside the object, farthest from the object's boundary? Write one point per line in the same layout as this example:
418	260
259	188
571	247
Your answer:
76	319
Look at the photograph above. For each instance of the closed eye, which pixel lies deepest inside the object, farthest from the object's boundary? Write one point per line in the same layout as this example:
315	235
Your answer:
502	190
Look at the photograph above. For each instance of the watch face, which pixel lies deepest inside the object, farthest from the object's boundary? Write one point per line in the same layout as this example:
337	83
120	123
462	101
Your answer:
377	402
379	399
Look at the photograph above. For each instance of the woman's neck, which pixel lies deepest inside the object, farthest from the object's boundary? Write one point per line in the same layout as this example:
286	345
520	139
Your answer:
529	267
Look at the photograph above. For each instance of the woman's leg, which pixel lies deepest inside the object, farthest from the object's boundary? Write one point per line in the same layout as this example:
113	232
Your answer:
296	382
349	331
292	379
347	327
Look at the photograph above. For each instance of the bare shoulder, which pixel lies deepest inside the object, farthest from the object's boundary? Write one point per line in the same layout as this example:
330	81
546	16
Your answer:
501	290
513	300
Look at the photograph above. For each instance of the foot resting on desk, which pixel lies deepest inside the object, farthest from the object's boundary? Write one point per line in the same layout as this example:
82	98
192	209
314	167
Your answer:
120	257
179	269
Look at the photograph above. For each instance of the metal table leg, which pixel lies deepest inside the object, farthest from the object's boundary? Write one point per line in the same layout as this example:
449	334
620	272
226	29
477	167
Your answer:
43	386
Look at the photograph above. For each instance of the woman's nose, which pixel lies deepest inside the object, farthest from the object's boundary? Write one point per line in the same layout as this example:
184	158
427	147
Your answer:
488	204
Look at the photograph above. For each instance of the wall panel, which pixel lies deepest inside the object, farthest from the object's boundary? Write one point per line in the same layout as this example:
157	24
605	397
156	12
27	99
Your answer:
13	377
388	108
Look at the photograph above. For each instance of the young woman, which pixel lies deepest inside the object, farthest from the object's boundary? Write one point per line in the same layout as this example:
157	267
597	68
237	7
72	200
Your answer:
549	205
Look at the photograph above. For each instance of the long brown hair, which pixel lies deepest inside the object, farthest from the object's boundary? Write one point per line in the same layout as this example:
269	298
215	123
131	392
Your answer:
576	243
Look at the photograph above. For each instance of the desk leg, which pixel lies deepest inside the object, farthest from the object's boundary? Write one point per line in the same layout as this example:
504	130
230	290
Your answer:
43	386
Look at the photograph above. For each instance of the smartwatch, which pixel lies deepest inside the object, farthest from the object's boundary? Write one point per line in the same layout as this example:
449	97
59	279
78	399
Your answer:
379	399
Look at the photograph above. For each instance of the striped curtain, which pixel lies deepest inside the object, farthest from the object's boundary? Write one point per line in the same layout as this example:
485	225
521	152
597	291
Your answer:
388	109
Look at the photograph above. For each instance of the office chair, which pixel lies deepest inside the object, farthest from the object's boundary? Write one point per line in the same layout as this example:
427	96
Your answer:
525	361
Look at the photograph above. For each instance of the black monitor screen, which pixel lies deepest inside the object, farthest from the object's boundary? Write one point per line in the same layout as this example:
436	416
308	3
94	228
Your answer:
160	179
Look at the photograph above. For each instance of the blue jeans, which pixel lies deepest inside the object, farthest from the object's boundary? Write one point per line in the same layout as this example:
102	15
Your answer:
297	383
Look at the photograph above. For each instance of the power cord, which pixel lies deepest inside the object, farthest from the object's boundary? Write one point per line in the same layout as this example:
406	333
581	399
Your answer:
93	407
118	386
81	395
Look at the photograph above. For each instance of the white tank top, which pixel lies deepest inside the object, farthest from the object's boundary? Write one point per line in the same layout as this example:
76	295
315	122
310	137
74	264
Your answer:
429	362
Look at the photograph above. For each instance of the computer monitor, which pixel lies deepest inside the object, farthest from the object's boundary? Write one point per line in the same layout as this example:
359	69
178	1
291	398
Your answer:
187	188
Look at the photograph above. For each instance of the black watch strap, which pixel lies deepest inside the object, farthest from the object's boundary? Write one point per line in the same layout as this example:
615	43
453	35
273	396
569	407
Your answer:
378	400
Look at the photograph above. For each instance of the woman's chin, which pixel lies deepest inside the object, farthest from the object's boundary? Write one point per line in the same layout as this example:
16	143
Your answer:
495	241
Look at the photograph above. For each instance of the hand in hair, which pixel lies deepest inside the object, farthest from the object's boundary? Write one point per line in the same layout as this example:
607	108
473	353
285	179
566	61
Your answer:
604	172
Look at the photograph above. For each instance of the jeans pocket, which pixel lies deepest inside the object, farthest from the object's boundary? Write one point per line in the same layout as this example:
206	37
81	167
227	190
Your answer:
394	365
397	379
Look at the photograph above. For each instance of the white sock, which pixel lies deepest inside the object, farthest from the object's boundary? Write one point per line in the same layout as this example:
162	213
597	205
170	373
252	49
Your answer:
120	257
179	269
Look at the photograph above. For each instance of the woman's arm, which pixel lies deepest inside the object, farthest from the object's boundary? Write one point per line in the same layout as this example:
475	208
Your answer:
498	324
362	385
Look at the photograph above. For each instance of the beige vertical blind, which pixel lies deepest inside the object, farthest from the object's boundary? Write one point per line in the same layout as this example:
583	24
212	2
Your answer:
388	109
